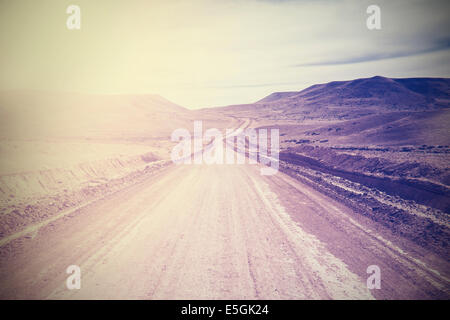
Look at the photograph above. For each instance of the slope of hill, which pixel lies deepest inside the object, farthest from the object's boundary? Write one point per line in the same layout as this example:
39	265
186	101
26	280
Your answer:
33	114
391	94
277	96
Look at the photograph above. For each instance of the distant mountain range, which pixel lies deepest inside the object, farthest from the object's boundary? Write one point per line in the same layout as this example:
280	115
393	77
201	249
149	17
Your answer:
354	98
392	93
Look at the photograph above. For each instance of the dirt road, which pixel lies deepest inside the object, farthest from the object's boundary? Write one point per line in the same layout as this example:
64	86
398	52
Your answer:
213	231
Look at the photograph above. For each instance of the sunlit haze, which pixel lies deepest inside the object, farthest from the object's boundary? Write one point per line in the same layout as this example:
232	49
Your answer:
213	53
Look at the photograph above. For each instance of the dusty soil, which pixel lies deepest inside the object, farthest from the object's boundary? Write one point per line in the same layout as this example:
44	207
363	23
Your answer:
218	231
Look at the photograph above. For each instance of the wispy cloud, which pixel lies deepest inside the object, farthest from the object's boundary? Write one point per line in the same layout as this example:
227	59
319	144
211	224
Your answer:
377	56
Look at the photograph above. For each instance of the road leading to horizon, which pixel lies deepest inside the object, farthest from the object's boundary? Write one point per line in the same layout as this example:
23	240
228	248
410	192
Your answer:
213	232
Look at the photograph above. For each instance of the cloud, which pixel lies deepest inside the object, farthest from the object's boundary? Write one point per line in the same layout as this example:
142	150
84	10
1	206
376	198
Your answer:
378	56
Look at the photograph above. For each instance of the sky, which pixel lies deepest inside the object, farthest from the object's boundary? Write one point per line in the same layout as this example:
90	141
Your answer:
205	53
